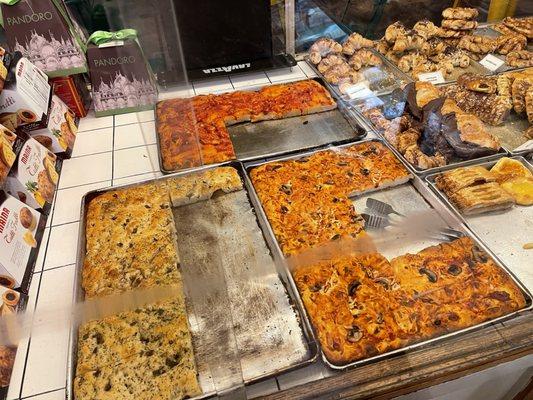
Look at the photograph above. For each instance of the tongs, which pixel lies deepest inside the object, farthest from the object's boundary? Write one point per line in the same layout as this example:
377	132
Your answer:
379	219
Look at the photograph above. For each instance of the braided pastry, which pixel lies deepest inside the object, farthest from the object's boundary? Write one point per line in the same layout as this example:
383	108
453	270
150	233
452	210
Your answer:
520	25
330	61
433	47
450	33
382	46
519	59
393	31
458	57
519	88
323	47
460	13
510	42
477	44
528	133
503	29
363	58
458	24
478	83
529	104
503	84
355	42
426	29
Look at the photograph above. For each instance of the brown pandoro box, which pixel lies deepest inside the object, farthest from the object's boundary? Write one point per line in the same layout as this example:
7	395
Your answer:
39	31
121	78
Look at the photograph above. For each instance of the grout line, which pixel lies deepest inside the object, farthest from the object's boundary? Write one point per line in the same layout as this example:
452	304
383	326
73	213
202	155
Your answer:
90	154
58	267
135	123
66	223
138	145
83	184
40	394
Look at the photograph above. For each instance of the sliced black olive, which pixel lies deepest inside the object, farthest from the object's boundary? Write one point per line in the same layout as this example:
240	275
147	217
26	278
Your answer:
432	276
342	163
479	255
365	171
383	282
379	318
454	270
315	288
284	210
336	237
500	295
352	287
437	322
107	387
453	317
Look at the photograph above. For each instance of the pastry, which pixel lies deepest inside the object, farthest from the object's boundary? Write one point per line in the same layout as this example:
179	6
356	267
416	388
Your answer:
523	26
477	44
521	189
478	83
507	168
450	33
481	198
364	57
519	89
520	59
460	13
426	29
355	42
459	178
321	48
394	31
7	360
510	42
458	24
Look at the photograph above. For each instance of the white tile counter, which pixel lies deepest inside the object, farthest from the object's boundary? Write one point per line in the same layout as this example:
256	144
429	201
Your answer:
109	151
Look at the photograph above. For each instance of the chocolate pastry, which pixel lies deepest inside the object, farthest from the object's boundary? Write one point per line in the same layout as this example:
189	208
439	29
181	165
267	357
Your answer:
418	95
458	24
382	46
393	31
410	61
416	157
519	59
520	25
529	104
433	46
478	83
503	29
460	13
519	88
321	48
406	139
510	42
355	42
477	44
425	28
450	33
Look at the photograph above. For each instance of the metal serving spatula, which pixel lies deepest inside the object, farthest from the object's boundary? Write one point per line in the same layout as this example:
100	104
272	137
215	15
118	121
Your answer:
380	207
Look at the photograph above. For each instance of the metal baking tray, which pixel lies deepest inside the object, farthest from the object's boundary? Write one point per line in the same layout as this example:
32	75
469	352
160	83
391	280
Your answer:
503	232
255	140
367	124
263	355
381	79
408	197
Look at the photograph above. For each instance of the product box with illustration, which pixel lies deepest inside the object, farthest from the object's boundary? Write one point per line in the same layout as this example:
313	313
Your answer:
121	79
42	31
34	176
11	302
57	131
8	150
21	231
26	95
74	92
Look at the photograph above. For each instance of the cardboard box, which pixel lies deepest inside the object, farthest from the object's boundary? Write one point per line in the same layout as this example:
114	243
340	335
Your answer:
34	176
21	232
38	29
7	151
74	92
57	131
121	79
26	96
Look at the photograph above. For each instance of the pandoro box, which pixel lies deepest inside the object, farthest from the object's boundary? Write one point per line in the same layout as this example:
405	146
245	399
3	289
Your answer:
11	302
121	79
34	176
41	31
57	131
21	232
26	95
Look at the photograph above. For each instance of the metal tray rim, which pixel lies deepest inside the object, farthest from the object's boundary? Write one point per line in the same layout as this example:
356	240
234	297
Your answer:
466	231
307	331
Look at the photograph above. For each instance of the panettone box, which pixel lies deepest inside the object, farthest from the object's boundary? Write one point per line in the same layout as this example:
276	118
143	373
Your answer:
57	131
74	92
41	31
21	232
26	95
8	150
122	81
11	302
34	176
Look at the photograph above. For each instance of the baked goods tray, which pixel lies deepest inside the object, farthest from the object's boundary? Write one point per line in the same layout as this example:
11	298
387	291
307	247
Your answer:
381	79
271	335
367	124
503	232
282	136
405	197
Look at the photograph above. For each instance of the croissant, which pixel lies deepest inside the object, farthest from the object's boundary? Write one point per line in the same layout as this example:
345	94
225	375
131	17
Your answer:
426	29
321	48
329	62
393	31
363	58
355	42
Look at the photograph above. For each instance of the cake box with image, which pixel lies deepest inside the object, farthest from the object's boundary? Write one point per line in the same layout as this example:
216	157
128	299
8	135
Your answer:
34	176
121	79
41	31
11	302
57	132
7	151
26	95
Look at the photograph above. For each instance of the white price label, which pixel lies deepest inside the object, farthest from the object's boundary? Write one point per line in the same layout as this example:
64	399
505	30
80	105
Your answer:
433	77
492	63
359	90
526	146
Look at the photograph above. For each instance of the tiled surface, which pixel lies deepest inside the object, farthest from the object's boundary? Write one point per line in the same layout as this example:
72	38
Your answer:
109	151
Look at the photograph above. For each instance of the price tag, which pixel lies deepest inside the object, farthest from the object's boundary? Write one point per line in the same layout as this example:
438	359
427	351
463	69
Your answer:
526	146
113	43
433	77
359	90
492	63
